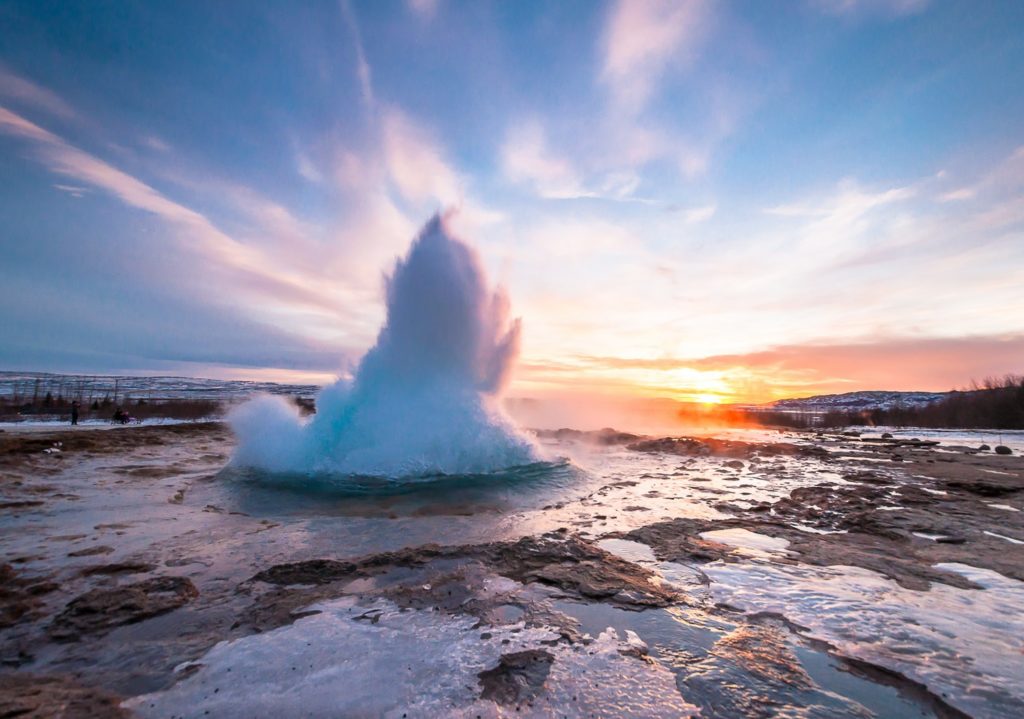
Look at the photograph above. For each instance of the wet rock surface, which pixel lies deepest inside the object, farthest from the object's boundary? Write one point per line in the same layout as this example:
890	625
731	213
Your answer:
733	449
100	610
605	437
899	532
21	596
438	577
56	697
760	653
84	596
577	567
117	568
572	565
518	677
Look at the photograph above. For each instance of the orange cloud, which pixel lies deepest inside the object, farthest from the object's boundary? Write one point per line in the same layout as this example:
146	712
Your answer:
934	364
906	363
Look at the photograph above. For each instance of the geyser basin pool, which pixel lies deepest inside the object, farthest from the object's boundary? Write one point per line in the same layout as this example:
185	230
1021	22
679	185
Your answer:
424	399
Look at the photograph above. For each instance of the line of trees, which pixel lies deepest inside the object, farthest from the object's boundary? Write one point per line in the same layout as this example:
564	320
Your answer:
59	407
995	403
49	390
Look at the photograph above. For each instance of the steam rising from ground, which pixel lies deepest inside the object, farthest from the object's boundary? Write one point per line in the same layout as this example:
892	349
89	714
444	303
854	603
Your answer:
424	399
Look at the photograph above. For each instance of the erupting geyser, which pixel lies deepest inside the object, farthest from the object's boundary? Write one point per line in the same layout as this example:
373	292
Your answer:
425	399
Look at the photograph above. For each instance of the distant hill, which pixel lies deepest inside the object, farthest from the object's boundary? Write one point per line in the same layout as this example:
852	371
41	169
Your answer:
25	386
857	401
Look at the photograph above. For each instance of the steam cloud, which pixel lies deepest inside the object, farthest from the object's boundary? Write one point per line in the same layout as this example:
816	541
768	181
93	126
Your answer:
424	399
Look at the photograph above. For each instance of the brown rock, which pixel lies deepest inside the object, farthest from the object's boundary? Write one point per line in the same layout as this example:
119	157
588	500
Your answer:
100	610
519	676
55	697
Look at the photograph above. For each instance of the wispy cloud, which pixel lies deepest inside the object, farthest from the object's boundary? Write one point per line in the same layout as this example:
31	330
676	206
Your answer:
924	363
928	363
642	38
659	176
574	239
307	169
644	41
1000	179
155	143
199	233
16	88
73	190
878	8
848	203
415	163
964	193
363	71
700	214
526	158
426	9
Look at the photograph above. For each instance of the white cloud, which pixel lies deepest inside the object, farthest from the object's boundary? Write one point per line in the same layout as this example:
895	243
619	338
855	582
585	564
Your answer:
14	87
964	193
426	9
642	37
847	203
526	158
574	238
644	40
363	71
620	185
416	164
307	169
693	160
155	143
73	190
885	8
700	214
199	233
1004	179
349	169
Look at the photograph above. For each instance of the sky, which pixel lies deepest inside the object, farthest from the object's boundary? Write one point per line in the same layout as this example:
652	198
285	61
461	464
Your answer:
706	201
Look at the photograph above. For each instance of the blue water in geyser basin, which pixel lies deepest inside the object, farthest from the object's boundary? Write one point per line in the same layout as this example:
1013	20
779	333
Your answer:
260	493
552	475
423	402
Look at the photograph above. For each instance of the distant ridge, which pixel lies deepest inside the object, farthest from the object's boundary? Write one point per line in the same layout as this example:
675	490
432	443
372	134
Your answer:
855	401
25	385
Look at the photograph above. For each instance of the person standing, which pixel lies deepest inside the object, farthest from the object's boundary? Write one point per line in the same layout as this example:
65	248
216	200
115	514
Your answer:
74	412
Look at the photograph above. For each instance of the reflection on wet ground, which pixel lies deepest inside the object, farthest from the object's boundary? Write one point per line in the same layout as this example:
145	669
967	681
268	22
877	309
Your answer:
778	671
764	622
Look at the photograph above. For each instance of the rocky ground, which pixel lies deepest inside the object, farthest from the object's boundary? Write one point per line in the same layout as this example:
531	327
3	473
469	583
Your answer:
127	556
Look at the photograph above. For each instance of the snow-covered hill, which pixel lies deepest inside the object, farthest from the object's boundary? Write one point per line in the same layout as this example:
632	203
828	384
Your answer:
854	401
26	385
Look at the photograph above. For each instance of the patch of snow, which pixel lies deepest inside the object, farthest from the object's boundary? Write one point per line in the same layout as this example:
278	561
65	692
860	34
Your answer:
1003	536
379	660
746	540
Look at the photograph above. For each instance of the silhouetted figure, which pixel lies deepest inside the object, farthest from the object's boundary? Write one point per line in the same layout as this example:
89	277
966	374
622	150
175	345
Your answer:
121	417
74	412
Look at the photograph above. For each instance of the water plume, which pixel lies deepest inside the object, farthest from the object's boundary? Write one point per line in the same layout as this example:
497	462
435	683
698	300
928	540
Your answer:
425	399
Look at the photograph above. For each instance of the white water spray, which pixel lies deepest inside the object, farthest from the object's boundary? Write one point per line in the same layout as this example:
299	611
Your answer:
424	399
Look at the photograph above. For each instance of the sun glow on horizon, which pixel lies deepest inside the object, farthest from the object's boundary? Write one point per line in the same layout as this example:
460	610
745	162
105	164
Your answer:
708	398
